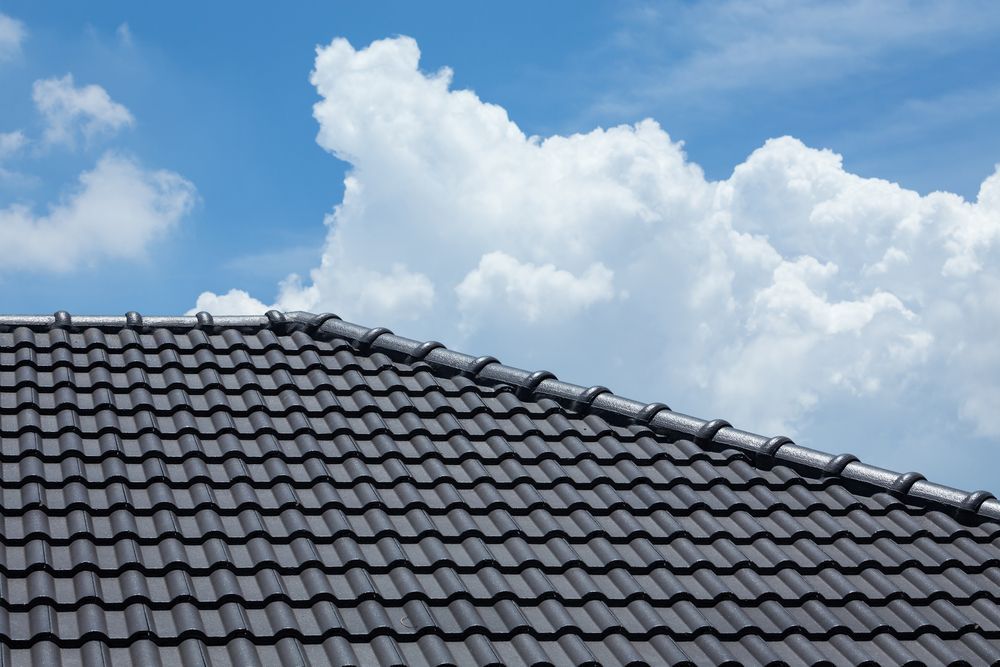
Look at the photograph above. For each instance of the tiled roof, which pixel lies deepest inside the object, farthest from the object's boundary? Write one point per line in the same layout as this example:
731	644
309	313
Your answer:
294	489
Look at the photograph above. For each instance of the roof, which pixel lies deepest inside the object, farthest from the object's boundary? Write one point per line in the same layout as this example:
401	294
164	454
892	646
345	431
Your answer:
295	489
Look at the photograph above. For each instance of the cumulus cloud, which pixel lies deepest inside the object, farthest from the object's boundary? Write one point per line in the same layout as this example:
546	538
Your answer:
69	110
234	302
116	210
533	292
12	34
788	291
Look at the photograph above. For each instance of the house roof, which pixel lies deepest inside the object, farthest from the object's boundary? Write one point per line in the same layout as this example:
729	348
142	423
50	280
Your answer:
295	489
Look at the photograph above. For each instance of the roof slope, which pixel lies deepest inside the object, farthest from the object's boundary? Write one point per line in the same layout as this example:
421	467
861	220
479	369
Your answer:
299	490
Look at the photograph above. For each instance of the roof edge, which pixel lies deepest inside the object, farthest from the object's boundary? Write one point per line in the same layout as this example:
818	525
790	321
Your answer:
657	416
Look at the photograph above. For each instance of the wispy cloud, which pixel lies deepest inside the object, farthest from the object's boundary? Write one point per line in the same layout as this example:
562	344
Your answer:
920	117
124	33
11	143
718	47
12	34
281	261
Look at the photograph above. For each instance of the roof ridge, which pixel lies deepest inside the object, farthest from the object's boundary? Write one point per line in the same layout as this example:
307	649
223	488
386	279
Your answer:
656	416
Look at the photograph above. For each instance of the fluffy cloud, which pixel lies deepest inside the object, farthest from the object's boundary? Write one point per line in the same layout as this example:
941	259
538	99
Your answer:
233	302
534	292
69	110
12	34
116	211
785	294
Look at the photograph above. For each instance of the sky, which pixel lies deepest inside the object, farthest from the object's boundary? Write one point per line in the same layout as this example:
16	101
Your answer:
784	214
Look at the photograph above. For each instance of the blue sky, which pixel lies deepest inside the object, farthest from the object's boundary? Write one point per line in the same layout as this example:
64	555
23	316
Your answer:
765	282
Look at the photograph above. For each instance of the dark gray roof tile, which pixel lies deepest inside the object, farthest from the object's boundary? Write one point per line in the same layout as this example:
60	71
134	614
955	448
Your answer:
247	495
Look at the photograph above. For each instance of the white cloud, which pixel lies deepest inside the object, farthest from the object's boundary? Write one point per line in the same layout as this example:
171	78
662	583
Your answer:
791	291
11	143
124	33
69	110
533	293
782	44
116	211
234	302
12	34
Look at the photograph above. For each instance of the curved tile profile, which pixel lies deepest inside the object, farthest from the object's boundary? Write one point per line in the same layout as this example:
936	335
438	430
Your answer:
295	489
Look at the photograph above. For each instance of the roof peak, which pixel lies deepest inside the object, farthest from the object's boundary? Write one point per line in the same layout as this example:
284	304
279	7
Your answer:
657	416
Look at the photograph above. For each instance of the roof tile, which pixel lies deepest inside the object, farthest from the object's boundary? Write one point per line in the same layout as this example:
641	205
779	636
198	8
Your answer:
249	495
